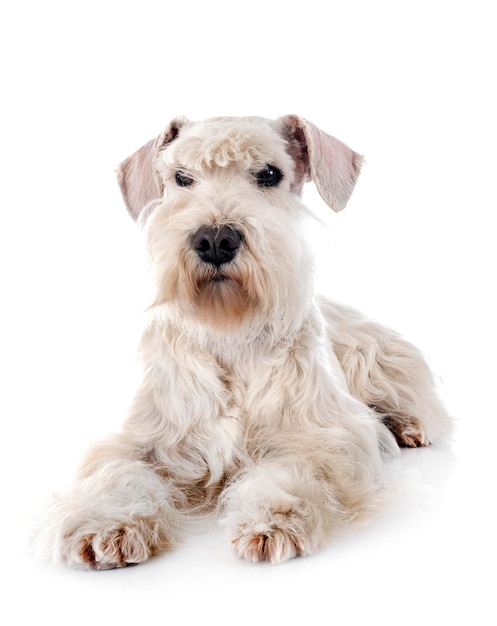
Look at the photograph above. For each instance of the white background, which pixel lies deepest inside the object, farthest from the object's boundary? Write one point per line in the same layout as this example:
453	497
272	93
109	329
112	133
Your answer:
411	85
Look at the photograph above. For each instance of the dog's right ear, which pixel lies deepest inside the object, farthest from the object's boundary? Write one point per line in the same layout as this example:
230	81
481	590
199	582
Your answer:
137	177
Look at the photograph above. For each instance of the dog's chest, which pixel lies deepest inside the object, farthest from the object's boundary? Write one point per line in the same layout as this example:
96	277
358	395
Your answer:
262	387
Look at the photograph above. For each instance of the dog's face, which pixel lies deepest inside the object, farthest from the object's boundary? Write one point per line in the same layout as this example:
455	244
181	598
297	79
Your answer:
220	201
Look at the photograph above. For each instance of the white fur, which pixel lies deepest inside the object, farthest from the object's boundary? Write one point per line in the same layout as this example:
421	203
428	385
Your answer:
259	399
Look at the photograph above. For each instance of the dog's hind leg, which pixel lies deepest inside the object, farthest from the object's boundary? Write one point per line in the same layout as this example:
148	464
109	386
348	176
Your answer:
388	374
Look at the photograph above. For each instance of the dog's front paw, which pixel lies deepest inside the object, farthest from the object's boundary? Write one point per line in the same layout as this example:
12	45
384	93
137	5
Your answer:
282	537
115	546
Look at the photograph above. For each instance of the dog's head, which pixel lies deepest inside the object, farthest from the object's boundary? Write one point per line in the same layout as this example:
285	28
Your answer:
220	202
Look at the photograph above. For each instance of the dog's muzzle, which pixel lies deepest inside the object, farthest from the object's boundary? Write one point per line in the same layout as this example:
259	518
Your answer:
217	245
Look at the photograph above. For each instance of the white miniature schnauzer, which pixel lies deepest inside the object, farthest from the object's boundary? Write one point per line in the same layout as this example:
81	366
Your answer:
260	400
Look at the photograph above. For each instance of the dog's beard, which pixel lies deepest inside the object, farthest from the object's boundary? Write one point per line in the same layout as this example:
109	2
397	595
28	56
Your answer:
222	298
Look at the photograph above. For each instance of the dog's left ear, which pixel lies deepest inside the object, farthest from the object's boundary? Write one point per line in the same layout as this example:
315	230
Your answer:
137	177
333	166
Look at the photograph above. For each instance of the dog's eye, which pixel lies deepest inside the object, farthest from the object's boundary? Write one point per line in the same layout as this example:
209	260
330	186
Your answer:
270	176
182	179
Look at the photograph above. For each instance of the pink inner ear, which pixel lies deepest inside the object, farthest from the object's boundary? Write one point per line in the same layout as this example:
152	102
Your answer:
334	167
136	175
137	179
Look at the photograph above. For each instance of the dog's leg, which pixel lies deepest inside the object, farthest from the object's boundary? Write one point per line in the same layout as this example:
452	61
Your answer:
119	511
388	374
271	517
306	489
133	493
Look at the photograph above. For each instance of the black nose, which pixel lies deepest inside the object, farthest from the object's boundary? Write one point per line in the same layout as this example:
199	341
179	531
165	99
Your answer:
217	244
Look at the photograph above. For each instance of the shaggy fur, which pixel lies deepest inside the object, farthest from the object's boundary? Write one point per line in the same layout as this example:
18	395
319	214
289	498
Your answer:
259	400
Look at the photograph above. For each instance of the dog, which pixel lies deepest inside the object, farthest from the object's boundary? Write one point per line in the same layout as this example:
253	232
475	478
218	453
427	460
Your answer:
261	402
